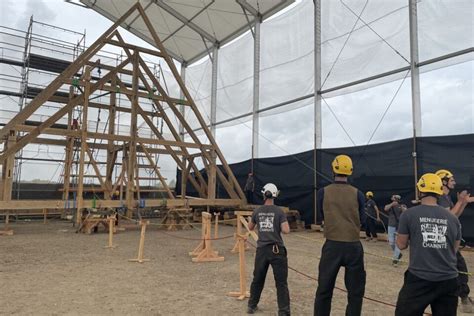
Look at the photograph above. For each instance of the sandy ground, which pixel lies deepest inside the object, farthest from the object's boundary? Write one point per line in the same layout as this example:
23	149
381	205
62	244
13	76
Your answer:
51	270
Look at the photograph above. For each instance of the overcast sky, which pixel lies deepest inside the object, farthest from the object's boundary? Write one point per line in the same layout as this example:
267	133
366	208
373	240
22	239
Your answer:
446	95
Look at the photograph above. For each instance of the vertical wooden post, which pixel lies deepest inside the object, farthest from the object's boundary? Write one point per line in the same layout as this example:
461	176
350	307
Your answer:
238	232
204	251
45	215
110	145
142	243
211	186
216	225
132	159
184	179
243	293
111	220
69	150
7	169
80	188
7	177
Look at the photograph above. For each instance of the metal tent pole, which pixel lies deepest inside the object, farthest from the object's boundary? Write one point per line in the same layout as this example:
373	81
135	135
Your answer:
317	94
415	85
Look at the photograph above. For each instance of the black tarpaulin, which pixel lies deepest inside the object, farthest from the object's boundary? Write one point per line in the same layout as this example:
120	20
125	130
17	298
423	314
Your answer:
385	169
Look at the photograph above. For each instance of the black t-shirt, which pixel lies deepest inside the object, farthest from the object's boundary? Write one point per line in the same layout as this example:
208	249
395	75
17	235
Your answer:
394	214
445	201
370	208
433	232
268	220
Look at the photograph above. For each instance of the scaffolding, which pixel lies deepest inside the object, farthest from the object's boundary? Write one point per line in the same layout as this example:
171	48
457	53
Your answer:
46	57
80	88
34	57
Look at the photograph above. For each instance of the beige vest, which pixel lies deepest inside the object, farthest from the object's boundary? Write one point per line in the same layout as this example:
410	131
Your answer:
341	213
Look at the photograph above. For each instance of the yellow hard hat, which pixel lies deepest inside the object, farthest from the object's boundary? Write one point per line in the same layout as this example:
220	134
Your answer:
369	194
430	182
444	174
342	164
117	193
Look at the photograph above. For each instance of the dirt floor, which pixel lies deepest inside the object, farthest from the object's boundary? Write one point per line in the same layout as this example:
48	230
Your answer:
51	270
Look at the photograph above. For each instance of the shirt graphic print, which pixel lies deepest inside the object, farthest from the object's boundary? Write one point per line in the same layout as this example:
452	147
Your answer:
266	222
433	231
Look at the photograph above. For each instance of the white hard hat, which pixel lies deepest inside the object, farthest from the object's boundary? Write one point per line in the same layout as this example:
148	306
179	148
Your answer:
270	187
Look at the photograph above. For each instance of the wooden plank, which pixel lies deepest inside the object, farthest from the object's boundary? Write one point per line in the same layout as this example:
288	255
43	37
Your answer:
22	142
157	172
15	205
172	129
186	93
123	138
80	197
67	73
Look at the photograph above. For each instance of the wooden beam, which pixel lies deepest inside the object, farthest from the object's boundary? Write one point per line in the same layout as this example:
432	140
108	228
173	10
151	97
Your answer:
111	153
72	69
199	187
132	159
157	172
18	205
73	133
135	48
7	170
188	97
80	197
22	142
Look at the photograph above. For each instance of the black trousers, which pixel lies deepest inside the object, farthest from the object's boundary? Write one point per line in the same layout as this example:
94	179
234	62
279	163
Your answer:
249	196
336	254
371	227
279	263
416	294
463	279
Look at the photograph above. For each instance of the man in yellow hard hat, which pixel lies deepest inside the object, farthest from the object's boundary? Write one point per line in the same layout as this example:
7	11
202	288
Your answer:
434	235
464	198
341	208
372	213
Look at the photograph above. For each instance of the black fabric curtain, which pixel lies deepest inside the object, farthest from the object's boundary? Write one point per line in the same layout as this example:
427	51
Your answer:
385	169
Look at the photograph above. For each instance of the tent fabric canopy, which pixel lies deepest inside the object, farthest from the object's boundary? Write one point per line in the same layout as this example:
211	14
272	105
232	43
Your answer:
189	29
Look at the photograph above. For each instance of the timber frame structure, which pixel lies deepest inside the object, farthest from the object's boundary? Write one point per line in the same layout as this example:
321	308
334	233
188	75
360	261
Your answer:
79	142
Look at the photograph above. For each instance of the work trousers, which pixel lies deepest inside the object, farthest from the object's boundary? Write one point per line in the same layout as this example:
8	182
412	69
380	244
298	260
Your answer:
371	227
463	279
249	196
279	261
416	294
336	254
392	240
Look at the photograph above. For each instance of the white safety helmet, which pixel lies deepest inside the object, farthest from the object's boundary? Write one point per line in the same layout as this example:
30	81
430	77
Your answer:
270	187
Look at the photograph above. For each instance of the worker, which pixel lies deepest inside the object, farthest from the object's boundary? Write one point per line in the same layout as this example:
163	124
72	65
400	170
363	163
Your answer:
270	221
394	210
434	235
341	208
372	213
449	183
249	188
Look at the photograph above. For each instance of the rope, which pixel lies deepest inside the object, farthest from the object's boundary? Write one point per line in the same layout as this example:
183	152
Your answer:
336	287
372	254
378	221
179	237
198	239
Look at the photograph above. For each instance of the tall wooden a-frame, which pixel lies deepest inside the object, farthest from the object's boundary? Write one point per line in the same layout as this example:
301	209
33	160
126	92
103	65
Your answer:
79	141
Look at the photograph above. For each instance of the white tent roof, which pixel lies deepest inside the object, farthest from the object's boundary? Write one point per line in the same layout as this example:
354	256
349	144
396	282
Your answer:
189	28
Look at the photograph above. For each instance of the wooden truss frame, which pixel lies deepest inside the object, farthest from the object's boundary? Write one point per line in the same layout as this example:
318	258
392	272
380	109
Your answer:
16	134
